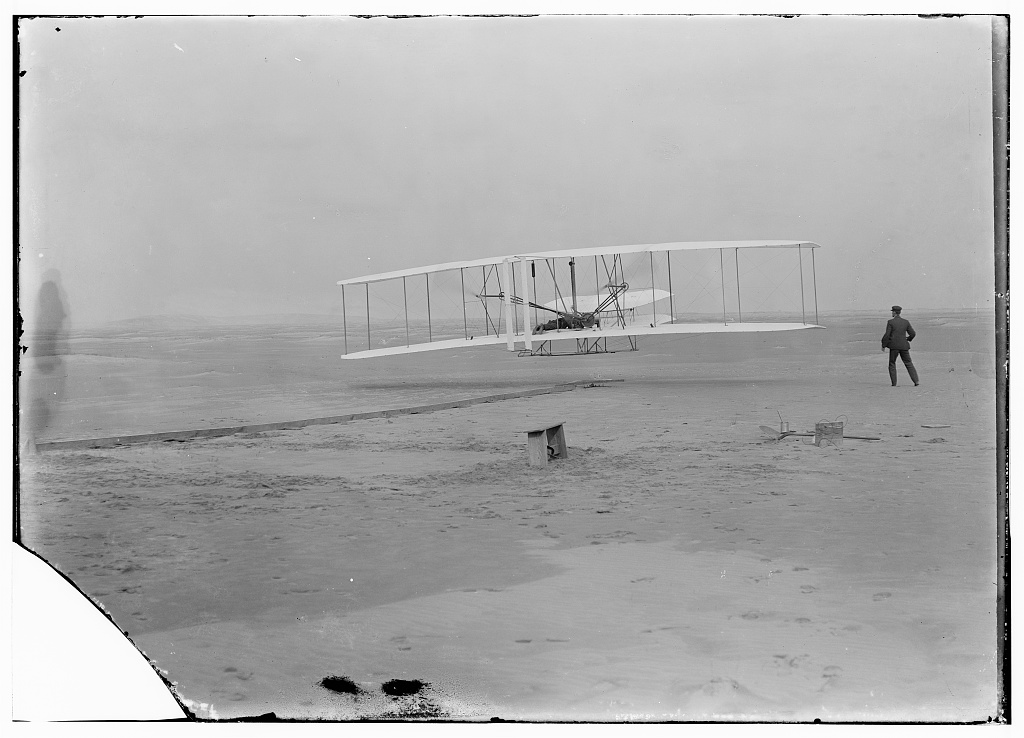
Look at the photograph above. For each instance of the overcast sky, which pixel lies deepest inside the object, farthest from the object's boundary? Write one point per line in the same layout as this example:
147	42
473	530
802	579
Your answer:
237	166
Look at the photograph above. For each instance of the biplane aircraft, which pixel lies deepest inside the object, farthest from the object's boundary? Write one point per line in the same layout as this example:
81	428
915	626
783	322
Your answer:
585	301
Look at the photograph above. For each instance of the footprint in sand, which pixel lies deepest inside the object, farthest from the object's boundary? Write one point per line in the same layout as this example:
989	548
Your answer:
879	596
401	642
830	674
807	589
786	663
240	675
233	696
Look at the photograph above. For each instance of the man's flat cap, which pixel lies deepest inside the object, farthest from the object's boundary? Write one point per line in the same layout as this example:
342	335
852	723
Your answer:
897	309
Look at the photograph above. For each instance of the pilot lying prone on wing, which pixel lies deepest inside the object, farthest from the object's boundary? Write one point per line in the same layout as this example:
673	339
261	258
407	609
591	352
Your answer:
574	322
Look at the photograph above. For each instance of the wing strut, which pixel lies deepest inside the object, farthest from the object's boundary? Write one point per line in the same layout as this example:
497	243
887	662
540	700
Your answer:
721	259
554	283
488	321
344	318
506	268
465	320
671	305
814	281
739	305
405	299
533	274
527	328
430	330
515	313
572	279
654	310
800	254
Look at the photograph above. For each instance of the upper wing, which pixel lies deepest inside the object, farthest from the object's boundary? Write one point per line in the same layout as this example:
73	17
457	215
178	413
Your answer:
573	253
420	271
670	246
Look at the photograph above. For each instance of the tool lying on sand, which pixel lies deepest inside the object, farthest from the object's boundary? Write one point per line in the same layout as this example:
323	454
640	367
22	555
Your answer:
778	436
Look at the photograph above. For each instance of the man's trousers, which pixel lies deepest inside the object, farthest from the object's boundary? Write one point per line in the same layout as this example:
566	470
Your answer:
907	362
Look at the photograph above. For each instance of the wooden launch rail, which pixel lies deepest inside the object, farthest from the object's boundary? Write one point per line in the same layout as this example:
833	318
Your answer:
188	435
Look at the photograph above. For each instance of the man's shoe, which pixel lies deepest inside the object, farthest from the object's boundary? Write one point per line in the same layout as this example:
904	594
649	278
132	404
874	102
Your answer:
917	384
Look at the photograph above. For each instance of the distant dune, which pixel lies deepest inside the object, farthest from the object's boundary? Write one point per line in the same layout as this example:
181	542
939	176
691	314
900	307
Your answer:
171	322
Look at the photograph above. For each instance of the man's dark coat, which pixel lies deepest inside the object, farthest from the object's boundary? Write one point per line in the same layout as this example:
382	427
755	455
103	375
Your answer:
898	334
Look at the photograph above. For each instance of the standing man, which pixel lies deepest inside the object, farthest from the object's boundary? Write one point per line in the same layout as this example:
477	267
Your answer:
898	335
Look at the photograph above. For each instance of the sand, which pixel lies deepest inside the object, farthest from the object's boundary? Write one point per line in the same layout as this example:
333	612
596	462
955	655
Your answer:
678	565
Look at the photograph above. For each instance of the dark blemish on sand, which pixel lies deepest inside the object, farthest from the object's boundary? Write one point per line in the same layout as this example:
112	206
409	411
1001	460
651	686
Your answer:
524	640
267	717
800	568
402	687
341	685
879	596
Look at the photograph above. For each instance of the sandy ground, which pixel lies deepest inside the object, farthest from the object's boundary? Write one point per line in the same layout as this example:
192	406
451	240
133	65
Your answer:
679	564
